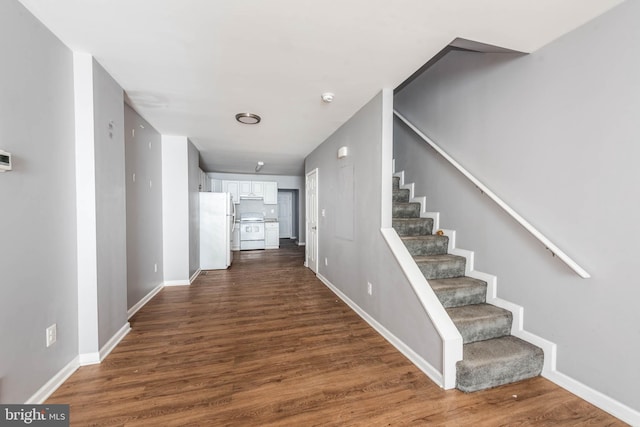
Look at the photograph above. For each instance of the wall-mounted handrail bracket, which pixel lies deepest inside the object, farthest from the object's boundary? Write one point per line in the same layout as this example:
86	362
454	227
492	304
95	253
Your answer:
555	251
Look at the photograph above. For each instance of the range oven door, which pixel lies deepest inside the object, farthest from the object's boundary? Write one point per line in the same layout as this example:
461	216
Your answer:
251	235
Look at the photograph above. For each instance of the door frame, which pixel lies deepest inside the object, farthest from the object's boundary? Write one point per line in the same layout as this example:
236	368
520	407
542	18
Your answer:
307	227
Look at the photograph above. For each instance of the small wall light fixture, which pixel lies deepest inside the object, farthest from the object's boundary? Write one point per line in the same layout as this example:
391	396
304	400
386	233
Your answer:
343	152
259	166
5	161
248	118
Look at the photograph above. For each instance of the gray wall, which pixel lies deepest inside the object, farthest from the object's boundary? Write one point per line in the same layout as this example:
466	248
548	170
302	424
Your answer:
555	134
350	239
285	182
144	206
111	215
193	156
38	279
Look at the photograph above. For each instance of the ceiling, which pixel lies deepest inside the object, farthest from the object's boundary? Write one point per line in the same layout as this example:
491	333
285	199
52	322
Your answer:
188	66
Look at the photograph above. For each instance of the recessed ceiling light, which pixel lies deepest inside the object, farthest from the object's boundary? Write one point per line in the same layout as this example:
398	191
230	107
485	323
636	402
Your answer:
248	118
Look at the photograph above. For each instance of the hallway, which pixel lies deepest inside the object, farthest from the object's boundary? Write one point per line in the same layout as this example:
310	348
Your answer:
266	343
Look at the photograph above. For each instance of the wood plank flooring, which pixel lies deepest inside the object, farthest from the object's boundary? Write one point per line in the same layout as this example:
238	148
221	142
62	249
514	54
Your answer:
267	344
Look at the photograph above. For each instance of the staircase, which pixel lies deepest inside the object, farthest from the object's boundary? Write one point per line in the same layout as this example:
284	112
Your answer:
491	355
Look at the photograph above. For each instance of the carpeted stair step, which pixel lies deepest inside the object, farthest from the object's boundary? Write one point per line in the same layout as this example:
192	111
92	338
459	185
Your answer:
406	210
458	291
426	245
496	362
441	266
401	195
413	226
396	183
480	322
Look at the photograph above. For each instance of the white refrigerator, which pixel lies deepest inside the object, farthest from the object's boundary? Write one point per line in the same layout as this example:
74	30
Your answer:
217	219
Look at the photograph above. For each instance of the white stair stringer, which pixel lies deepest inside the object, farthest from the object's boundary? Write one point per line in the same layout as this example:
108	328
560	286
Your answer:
517	327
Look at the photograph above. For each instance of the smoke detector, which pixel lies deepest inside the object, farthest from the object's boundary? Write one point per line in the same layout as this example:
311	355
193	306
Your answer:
327	97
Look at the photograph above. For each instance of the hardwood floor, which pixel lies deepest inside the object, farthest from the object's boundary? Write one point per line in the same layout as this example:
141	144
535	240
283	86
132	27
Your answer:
267	344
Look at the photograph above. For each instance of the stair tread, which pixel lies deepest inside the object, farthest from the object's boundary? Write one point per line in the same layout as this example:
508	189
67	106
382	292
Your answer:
458	291
496	352
436	258
496	362
456	283
480	322
476	312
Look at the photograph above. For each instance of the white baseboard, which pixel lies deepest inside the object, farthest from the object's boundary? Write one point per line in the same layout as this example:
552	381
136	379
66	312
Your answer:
301	243
194	276
176	283
596	398
114	341
89	358
416	359
97	357
133	310
54	383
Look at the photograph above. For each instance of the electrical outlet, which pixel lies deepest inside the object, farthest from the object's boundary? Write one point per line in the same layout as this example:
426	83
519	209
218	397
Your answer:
326	262
155	268
51	335
369	288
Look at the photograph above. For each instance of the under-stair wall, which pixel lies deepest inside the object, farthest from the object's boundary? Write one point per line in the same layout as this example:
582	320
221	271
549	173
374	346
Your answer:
352	251
545	134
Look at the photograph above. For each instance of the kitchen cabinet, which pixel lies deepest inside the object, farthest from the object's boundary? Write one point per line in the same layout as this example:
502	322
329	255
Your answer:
257	188
270	193
268	190
235	237
232	187
271	235
244	188
216	186
205	183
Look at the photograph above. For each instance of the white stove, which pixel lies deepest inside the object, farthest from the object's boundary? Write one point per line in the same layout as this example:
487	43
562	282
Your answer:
251	230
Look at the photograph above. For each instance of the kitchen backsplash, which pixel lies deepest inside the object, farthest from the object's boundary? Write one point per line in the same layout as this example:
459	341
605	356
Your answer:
269	211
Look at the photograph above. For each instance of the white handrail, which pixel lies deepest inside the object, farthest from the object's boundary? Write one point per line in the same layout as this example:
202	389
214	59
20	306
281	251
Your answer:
556	251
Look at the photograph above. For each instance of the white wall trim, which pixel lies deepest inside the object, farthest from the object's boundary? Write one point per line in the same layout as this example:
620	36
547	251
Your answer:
451	338
54	383
176	283
302	244
137	306
602	401
89	358
415	358
549	348
114	341
194	276
98	357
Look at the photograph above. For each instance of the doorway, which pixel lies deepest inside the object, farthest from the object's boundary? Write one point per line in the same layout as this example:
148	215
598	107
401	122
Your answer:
285	213
311	259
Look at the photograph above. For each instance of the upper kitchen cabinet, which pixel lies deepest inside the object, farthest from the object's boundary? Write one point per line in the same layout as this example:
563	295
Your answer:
257	188
266	190
216	186
270	193
245	188
232	187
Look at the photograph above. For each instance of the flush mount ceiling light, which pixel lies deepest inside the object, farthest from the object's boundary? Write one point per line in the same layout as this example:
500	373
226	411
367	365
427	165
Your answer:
248	118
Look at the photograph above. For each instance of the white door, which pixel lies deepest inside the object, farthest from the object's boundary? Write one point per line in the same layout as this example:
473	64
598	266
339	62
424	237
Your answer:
285	208
312	220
